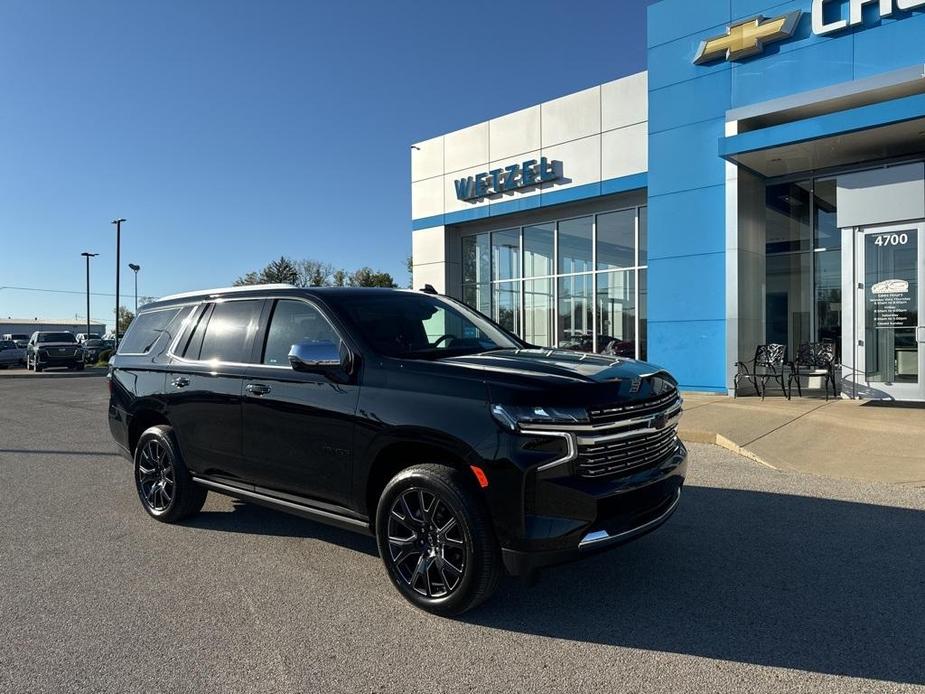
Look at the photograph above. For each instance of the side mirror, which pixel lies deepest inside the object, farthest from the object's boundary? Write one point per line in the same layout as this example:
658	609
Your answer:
318	357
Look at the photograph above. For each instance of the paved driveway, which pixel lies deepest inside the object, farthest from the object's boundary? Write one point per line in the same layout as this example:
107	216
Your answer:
763	581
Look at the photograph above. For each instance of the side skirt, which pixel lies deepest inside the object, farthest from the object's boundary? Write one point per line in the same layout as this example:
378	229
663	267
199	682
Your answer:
304	510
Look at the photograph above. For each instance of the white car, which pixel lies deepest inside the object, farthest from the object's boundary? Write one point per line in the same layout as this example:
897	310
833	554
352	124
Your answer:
11	355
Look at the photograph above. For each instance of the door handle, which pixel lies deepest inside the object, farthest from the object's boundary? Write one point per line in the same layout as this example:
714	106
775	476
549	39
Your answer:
180	382
257	389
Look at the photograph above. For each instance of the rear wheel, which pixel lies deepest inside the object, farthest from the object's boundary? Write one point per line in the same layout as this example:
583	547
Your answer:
436	540
165	487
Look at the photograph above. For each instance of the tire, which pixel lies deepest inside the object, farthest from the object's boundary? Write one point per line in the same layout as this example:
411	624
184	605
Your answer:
35	364
163	482
463	561
79	367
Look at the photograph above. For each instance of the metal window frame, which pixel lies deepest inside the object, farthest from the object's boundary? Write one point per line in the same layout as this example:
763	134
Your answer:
556	276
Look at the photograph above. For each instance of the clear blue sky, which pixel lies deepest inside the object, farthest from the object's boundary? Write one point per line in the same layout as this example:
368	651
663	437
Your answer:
228	133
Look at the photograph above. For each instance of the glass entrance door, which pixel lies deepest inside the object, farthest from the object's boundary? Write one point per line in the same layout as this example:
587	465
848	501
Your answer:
890	325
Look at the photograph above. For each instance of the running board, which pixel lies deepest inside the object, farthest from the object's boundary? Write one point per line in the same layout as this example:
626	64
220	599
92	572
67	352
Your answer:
303	510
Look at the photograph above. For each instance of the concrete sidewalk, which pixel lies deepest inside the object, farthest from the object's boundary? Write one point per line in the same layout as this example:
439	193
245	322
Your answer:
840	438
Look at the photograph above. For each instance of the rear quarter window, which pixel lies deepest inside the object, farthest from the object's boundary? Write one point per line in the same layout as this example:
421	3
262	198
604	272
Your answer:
145	330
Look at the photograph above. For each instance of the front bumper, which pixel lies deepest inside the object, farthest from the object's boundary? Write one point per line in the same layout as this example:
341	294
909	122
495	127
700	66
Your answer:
605	514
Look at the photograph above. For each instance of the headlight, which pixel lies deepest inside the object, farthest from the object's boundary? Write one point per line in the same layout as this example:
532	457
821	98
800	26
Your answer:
513	416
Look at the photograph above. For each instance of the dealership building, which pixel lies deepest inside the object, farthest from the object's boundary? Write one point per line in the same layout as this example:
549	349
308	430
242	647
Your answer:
763	182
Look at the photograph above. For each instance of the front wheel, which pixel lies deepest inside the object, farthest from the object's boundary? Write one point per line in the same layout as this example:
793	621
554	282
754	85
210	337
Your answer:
436	540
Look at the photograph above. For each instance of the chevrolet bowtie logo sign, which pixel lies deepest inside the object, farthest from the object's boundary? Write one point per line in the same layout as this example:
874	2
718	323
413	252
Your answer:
747	38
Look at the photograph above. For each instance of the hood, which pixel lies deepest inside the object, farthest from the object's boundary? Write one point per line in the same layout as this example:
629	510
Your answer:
565	378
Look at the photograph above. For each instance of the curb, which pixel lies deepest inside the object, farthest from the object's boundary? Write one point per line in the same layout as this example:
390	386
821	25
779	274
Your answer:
712	438
89	373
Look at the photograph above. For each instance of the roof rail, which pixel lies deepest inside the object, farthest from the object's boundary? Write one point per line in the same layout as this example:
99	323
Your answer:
222	290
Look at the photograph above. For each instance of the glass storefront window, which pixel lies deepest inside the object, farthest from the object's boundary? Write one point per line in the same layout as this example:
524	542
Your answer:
576	315
828	295
506	305
575	245
616	313
476	262
539	313
827	234
788	223
478	296
616	240
788	300
540	281
505	254
539	242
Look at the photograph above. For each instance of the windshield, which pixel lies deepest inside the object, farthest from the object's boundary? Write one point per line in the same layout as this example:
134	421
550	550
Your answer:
7	344
56	337
92	343
421	326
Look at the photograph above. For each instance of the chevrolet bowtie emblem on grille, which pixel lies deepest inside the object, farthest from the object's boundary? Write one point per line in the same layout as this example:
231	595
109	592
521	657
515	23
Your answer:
747	38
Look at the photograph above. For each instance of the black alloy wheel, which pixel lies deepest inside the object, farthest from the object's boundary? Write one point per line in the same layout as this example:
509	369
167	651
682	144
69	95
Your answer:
436	539
156	476
165	487
426	543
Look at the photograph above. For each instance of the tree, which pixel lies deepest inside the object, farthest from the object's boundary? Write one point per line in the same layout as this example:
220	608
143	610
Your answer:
281	271
125	319
367	277
339	278
315	273
410	265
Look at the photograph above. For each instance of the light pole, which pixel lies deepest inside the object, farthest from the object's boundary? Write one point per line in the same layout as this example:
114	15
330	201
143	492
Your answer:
87	255
135	268
118	223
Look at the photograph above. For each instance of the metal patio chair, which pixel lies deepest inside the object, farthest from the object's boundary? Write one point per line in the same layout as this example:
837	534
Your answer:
814	359
767	365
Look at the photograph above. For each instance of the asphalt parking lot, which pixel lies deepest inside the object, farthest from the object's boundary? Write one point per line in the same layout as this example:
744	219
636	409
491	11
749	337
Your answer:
762	582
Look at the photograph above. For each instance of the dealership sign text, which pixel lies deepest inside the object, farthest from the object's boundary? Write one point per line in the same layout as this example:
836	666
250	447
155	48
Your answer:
529	173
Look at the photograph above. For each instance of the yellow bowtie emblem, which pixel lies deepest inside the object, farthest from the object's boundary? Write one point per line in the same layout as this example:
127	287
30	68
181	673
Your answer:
747	38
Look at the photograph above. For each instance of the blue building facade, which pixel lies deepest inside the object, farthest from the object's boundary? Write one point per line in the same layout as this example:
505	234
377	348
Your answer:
779	200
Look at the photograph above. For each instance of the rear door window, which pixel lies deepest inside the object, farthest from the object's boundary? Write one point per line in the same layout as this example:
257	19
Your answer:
145	330
229	332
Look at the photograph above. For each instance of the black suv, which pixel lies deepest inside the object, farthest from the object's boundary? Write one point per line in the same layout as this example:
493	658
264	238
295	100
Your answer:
400	414
49	349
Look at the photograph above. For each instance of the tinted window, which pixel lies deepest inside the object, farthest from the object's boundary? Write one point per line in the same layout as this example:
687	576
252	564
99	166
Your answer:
143	331
230	332
56	337
421	325
292	322
7	344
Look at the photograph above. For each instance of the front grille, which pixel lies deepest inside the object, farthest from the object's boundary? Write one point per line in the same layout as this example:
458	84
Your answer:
631	410
629	453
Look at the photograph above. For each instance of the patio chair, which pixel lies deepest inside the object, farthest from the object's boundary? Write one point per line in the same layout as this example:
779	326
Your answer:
767	365
814	359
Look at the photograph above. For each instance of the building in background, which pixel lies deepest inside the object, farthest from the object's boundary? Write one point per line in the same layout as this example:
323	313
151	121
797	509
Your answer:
27	326
762	182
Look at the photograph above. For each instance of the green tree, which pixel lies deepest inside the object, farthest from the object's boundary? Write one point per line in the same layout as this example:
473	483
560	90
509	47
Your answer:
125	319
367	277
410	265
281	271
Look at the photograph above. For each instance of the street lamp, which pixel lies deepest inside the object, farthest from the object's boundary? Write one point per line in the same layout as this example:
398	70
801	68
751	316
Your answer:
87	255
118	223
135	268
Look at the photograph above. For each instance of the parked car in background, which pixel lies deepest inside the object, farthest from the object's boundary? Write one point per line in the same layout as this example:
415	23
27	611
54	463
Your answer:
93	348
51	349
11	355
83	337
21	339
404	415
